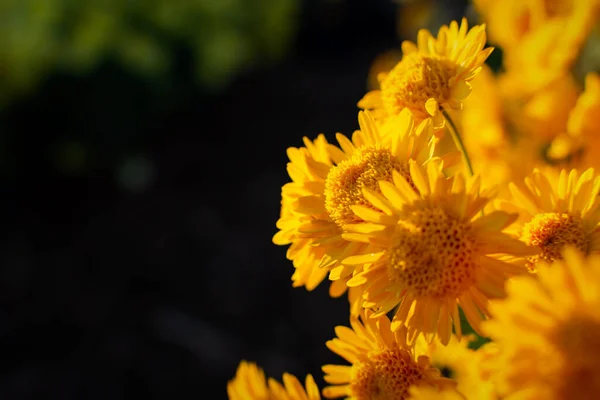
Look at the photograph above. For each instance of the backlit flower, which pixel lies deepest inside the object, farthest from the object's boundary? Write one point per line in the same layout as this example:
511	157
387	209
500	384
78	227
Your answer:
547	332
382	366
327	181
580	145
250	383
556	210
433	74
457	361
438	252
541	39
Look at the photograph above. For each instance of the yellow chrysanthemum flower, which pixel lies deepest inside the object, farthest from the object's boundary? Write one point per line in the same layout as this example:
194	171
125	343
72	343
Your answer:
539	119
528	69
584	120
457	361
556	210
438	251
250	383
546	112
425	393
327	182
580	144
488	353
548	332
383	365
507	20
308	168
433	74
541	39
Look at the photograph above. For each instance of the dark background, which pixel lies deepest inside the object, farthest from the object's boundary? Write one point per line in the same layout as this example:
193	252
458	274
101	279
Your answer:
148	270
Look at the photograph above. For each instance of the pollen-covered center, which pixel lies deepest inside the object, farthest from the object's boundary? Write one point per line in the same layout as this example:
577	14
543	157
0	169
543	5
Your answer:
434	254
384	376
414	80
364	169
577	340
551	232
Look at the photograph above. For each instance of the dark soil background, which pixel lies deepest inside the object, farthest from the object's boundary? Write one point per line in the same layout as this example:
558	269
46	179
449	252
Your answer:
151	271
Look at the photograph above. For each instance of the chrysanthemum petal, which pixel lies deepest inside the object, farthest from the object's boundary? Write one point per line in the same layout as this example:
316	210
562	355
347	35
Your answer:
395	196
363	259
494	221
419	178
377	201
370	215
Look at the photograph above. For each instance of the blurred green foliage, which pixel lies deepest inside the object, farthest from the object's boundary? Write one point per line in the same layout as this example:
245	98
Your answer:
467	329
38	37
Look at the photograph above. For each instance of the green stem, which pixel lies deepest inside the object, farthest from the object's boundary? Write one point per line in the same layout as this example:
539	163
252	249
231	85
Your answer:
458	141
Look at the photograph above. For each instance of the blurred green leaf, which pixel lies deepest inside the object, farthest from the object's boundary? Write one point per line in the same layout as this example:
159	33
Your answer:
40	37
468	330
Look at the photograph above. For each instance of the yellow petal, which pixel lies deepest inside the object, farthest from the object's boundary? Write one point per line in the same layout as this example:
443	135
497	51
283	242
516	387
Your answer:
377	200
370	215
363	259
431	105
395	196
494	221
461	90
419	178
310	205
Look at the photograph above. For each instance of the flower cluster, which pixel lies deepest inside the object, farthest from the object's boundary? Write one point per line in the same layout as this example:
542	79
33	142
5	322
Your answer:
463	210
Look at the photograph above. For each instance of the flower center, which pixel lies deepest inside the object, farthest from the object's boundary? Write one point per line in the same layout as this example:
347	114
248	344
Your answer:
434	256
386	375
551	232
578	341
344	184
414	80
